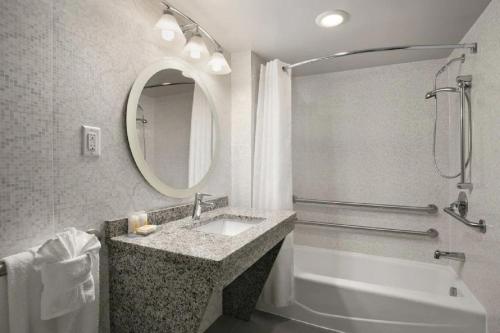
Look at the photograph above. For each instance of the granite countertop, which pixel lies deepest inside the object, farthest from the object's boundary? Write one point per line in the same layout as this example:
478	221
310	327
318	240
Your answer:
179	238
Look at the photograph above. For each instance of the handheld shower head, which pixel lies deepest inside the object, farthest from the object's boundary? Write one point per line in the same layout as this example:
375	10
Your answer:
434	92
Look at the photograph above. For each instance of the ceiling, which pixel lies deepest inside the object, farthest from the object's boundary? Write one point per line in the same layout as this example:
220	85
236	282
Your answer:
285	29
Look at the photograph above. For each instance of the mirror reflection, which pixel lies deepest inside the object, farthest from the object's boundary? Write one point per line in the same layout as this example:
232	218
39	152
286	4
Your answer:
175	127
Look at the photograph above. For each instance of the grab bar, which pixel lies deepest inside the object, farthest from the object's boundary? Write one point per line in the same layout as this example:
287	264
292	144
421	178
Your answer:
481	225
3	268
429	209
432	233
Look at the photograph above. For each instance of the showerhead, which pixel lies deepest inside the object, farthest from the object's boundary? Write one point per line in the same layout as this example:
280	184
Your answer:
434	92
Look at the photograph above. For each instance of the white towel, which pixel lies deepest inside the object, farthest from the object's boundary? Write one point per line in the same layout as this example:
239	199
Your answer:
25	286
66	264
24	289
4	305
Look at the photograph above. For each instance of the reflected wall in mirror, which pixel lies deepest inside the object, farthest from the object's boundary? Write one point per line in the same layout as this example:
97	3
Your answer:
171	126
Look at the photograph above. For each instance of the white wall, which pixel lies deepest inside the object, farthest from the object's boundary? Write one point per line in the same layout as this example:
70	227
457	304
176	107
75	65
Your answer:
244	90
366	136
241	130
172	128
481	271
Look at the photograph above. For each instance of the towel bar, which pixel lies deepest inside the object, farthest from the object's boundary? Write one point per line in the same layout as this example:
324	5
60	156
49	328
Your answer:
3	268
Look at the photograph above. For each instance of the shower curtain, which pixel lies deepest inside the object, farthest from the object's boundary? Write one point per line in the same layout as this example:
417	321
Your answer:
201	140
272	170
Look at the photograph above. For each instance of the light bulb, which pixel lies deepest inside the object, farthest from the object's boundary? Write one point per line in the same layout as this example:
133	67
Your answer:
170	30
168	35
195	54
218	65
331	18
195	49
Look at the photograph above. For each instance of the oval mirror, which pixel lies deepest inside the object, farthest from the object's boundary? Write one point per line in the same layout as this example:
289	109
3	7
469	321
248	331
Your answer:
171	127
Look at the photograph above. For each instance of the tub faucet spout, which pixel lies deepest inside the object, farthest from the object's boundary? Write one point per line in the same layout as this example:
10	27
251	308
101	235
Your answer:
460	256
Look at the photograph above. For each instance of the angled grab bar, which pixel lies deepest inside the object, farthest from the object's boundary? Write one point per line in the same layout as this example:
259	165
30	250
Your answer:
481	225
429	209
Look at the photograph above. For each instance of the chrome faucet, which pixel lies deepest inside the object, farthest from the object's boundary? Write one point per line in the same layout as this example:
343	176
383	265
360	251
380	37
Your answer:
199	204
460	256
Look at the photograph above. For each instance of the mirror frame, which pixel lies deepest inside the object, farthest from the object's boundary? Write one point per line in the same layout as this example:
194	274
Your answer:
133	140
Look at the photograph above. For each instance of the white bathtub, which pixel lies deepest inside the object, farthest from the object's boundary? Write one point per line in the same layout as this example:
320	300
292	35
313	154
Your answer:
358	293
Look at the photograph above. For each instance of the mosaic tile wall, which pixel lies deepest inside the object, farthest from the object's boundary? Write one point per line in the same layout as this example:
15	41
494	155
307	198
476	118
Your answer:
386	124
481	271
63	64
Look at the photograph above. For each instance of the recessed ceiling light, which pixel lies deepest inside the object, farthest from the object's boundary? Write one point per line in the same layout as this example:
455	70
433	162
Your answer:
331	18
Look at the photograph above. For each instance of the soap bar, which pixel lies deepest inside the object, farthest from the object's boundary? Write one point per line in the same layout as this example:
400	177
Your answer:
146	229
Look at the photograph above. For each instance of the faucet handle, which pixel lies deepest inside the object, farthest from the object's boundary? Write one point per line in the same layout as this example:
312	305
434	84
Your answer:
200	195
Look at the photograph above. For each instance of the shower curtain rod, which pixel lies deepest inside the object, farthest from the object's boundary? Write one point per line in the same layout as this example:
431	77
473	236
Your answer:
472	47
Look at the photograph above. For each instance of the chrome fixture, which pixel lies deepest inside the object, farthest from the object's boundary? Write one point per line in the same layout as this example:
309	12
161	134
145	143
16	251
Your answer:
429	209
433	93
199	204
142	120
95	232
167	84
432	233
195	49
459	256
464	84
472	47
462	206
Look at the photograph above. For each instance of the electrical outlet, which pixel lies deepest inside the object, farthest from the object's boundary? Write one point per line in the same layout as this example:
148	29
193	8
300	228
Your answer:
91	141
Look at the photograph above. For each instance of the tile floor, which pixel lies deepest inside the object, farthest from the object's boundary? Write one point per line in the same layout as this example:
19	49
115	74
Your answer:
262	322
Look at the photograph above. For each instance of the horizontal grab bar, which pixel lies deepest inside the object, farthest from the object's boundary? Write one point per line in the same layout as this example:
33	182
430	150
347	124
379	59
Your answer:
481	225
3	268
432	233
429	209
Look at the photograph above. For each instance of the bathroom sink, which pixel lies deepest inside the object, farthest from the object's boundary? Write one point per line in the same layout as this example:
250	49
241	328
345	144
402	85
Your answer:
229	226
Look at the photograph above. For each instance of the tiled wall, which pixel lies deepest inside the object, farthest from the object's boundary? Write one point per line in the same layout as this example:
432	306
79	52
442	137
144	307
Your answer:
366	136
481	271
66	63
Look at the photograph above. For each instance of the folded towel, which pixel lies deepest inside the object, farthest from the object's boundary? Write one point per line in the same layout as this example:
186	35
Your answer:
24	288
65	263
67	286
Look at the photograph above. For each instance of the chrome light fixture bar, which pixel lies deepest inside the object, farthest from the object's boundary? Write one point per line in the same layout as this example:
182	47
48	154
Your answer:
217	63
472	47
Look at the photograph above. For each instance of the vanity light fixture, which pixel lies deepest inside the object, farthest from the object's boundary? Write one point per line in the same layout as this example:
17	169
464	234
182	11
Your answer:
195	50
218	64
332	18
170	30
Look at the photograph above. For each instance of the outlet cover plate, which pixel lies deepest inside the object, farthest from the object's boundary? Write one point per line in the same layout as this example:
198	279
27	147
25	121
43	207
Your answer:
91	141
